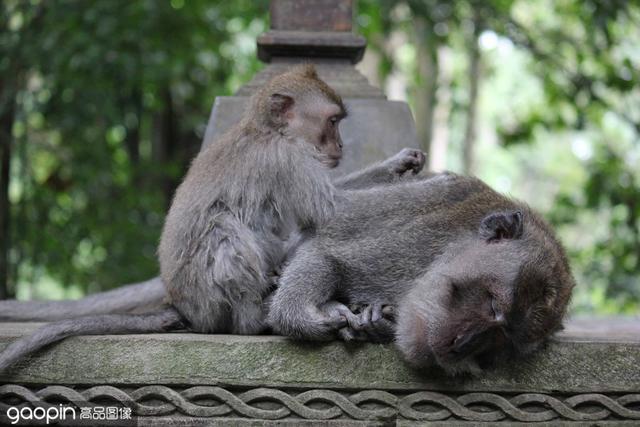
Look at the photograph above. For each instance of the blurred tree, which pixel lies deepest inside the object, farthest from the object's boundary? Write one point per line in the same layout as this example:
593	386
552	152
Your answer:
429	25
105	103
13	69
586	56
588	62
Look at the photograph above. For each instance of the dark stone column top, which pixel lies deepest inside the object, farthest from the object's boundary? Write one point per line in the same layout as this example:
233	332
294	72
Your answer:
313	29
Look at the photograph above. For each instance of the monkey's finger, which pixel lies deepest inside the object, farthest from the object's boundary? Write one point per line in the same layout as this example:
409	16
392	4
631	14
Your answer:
389	312
377	328
355	322
355	308
350	335
335	314
370	325
419	164
376	313
362	337
417	161
365	316
383	331
335	308
336	322
352	320
346	334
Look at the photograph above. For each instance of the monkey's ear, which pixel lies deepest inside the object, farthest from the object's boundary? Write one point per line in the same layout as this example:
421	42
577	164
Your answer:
501	225
279	104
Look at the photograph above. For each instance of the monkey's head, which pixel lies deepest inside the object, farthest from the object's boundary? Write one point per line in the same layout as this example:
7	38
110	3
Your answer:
300	106
496	294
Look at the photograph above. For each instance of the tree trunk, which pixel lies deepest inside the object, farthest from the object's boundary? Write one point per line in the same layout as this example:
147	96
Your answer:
440	143
427	61
472	114
7	114
164	142
133	104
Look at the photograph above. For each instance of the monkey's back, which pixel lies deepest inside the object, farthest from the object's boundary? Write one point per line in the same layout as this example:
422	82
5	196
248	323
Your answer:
385	237
227	226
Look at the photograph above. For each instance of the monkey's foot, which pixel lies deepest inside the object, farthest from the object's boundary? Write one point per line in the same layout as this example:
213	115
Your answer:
408	159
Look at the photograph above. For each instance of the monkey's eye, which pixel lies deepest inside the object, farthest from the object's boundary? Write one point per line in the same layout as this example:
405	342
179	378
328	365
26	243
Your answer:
334	120
455	291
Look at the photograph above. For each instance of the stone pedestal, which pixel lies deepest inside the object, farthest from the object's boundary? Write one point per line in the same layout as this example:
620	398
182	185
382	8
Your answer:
587	375
374	130
320	32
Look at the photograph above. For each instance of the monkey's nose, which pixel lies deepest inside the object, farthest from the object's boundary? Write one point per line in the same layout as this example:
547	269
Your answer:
498	314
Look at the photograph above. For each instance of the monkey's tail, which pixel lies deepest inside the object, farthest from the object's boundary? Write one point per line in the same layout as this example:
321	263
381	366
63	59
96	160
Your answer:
159	321
124	299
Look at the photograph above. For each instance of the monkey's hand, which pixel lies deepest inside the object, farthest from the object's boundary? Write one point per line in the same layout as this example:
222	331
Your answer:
339	316
408	159
376	323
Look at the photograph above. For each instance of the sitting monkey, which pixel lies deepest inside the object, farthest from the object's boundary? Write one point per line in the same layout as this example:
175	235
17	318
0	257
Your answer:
475	276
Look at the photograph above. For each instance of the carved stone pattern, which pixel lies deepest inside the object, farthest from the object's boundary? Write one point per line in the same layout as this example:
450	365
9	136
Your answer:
379	405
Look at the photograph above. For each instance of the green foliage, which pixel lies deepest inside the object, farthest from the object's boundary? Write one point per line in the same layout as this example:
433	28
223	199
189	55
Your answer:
113	98
115	101
559	97
588	64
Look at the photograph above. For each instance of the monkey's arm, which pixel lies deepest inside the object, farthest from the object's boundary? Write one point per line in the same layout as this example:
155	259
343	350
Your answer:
125	299
301	307
384	172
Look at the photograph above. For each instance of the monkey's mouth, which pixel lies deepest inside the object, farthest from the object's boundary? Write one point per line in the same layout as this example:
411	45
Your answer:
485	350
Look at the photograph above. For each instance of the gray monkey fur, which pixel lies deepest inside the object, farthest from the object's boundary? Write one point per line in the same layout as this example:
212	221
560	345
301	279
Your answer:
434	248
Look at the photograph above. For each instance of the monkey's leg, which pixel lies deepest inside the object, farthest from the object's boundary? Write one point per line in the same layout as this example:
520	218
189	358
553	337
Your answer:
301	306
124	299
384	172
160	321
221	288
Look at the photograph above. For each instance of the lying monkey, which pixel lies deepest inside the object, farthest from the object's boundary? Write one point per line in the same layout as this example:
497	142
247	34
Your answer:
475	276
239	228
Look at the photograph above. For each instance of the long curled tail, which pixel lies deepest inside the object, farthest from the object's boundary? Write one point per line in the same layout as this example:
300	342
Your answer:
125	299
159	321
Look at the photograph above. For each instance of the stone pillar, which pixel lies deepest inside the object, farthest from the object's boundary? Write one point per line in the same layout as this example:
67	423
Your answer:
321	32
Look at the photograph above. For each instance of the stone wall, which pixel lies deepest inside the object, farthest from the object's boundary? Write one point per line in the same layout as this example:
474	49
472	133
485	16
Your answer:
588	374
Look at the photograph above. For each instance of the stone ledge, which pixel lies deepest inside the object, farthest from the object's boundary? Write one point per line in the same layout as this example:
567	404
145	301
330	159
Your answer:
587	374
577	360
